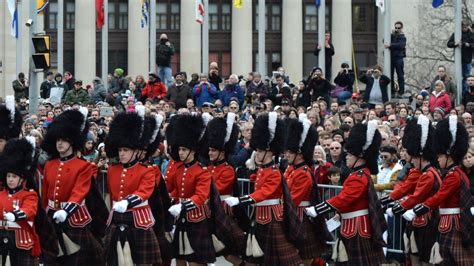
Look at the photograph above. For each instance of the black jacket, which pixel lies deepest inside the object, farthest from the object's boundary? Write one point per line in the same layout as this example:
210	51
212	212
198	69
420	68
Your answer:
285	91
398	44
466	52
320	88
369	81
468	97
45	88
164	54
328	53
179	95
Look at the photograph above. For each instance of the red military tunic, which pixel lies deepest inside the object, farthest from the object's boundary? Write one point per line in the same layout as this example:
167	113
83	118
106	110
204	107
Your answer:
171	172
27	202
353	198
407	186
223	175
300	184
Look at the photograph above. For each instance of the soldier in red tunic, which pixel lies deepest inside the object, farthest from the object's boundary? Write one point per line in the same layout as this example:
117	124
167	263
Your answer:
189	188
419	238
363	222
130	234
453	198
300	142
268	241
66	184
222	134
19	243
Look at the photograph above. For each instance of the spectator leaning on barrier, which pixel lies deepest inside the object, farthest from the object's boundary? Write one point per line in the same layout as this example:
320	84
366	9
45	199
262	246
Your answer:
388	169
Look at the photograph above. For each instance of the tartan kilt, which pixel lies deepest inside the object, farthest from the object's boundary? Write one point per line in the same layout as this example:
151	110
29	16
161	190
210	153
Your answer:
314	245
452	251
425	237
143	243
200	239
18	257
238	241
276	248
361	251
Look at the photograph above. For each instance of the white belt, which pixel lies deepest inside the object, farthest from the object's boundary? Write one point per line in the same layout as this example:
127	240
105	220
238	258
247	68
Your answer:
7	224
268	202
304	204
349	215
52	204
145	203
444	211
223	197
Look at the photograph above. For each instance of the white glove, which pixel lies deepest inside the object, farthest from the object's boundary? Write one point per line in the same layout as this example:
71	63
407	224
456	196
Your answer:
232	201
389	212
120	206
175	210
311	212
472	210
60	216
409	215
9	217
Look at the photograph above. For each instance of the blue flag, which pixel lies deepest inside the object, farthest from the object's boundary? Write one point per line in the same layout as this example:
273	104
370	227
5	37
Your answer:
318	2
437	3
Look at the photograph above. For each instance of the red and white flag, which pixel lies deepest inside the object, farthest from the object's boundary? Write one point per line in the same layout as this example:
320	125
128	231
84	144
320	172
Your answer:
99	9
199	12
380	4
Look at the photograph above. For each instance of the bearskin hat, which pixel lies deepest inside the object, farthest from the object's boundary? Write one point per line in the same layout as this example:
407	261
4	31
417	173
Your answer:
222	134
18	158
451	138
301	137
72	126
364	141
10	119
151	144
268	132
125	131
169	136
187	131
418	138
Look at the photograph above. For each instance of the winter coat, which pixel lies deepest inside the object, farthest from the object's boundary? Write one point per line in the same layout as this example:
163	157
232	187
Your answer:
164	54
98	94
204	93
45	88
154	90
179	95
285	91
449	86
74	96
21	91
441	101
257	88
319	88
369	81
229	92
468	97
398	43
466	52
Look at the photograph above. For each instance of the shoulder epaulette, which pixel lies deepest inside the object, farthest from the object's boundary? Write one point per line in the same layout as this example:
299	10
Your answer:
360	173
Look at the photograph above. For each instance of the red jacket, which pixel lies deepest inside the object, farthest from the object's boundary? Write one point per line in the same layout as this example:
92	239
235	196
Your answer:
448	195
171	172
136	180
423	189
154	90
224	177
442	101
190	181
299	183
407	186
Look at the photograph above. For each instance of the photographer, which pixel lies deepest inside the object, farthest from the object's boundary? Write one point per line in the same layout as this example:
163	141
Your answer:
257	88
164	52
397	47
303	98
280	91
376	89
214	77
20	87
318	85
344	81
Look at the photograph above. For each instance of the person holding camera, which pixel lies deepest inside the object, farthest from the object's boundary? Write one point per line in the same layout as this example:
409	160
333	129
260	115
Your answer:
328	53
377	84
214	77
397	47
280	90
319	86
20	87
257	89
164	52
344	82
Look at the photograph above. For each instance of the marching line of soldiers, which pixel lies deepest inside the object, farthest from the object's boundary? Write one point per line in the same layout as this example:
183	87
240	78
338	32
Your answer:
194	213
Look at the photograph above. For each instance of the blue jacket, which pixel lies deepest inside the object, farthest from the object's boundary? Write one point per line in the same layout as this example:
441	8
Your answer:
202	94
231	91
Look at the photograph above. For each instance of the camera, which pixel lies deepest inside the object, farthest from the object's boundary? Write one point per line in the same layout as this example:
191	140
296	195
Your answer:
29	22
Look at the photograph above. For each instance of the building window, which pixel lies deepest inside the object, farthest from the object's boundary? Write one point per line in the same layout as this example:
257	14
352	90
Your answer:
161	15
213	17
276	17
226	17
364	18
175	16
123	16
111	19
52	16
70	16
310	18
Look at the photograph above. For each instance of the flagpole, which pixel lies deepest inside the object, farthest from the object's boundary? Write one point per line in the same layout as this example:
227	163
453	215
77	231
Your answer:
60	28
321	35
205	38
19	54
105	44
262	67
33	90
152	39
387	39
457	50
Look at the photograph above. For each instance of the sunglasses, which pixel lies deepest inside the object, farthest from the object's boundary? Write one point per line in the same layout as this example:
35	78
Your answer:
334	148
398	28
345	122
391	120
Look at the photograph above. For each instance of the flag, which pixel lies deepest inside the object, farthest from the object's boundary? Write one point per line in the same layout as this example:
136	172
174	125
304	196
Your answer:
238	3
380	4
318	2
437	3
145	8
40	6
199	11
99	9
14	24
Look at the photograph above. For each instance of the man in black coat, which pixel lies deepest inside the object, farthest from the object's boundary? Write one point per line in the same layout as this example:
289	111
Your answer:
179	92
376	89
469	95
319	86
467	50
328	54
397	46
46	85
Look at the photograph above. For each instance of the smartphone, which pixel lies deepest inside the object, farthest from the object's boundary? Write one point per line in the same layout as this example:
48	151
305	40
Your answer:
106	111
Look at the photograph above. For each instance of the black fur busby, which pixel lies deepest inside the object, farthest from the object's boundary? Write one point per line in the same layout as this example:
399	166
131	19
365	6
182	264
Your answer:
444	143
187	131
358	145
10	119
419	132
72	126
222	134
298	129
263	139
169	136
18	158
125	131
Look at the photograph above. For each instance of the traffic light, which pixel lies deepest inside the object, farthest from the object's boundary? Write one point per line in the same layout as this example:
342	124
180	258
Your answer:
42	55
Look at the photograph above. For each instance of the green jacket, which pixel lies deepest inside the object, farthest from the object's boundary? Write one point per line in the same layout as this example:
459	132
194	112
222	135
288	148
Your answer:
77	96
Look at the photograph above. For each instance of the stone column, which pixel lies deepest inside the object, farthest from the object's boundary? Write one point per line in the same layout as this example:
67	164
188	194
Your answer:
84	41
292	39
190	39
242	38
137	41
341	34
